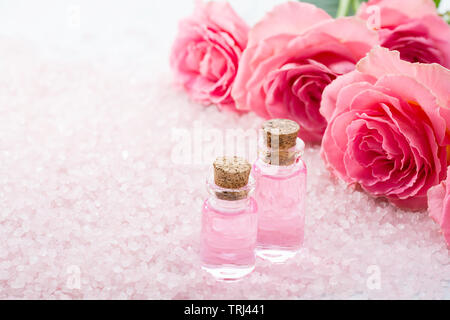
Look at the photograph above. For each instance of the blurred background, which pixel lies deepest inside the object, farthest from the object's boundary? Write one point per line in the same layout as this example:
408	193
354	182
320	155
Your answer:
110	31
113	31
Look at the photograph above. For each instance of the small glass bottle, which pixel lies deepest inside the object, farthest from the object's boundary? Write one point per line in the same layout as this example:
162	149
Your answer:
229	221
280	177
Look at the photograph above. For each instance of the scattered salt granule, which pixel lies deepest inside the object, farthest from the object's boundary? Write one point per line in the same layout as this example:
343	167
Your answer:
92	205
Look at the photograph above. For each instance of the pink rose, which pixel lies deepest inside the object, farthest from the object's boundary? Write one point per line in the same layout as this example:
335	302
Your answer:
411	27
292	55
439	205
388	127
206	53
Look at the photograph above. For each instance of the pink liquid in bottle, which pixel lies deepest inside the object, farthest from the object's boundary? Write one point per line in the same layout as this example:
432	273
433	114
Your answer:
229	238
229	231
280	194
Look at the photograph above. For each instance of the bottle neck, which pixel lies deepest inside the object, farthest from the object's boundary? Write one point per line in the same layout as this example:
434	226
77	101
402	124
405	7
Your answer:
281	157
228	205
229	199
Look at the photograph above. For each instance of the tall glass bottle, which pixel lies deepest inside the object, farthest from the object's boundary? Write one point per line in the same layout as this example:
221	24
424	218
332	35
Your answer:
280	177
229	221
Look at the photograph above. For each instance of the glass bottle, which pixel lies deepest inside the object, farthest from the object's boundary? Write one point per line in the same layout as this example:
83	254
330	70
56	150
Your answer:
229	221
280	177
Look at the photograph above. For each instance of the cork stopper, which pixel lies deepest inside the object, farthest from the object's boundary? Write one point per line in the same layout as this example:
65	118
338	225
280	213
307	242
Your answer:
231	173
280	138
282	133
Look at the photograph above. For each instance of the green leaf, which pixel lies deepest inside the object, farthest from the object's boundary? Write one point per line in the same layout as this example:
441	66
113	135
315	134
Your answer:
437	2
345	7
446	16
329	6
356	4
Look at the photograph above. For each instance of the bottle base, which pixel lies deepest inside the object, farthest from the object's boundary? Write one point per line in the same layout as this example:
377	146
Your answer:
228	273
276	254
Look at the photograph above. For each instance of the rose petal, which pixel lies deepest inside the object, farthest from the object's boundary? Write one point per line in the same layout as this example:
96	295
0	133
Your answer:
380	61
410	8
284	19
330	94
439	205
351	31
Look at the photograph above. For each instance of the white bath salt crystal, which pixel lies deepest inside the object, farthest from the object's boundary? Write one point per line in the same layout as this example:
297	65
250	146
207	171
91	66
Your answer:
344	223
140	166
159	228
125	155
43	252
133	245
4	275
158	176
117	269
315	260
18	283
